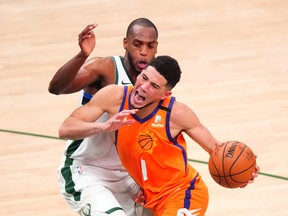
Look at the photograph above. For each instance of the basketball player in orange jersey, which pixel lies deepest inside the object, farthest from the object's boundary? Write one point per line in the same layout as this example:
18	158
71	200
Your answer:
149	137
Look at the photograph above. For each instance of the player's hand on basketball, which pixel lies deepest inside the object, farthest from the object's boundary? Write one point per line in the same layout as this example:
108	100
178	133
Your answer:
254	175
86	40
119	120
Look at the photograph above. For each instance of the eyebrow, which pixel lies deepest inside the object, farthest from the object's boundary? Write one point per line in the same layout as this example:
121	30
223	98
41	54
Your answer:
152	83
142	41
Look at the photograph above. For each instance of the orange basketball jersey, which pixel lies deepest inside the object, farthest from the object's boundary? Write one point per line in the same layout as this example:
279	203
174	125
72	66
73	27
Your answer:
157	161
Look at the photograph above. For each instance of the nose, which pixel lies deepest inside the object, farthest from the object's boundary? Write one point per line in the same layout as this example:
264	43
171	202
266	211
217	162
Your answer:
144	50
145	86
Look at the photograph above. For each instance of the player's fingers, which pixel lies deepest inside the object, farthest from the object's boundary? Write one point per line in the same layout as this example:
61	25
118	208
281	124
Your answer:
128	121
87	31
88	35
91	33
89	28
257	168
125	113
132	111
254	175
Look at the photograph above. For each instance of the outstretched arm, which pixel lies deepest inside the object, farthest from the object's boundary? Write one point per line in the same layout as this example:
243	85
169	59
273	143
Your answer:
82	122
67	73
75	128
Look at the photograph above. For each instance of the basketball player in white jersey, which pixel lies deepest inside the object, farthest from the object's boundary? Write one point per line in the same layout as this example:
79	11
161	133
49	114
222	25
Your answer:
91	176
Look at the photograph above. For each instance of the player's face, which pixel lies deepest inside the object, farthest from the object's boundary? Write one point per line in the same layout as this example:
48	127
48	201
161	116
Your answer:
150	88
141	47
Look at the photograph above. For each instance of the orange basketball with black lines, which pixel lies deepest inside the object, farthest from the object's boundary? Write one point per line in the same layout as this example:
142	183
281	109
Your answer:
145	141
231	165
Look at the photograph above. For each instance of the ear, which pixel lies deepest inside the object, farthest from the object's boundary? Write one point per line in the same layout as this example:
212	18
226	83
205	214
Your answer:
125	43
166	94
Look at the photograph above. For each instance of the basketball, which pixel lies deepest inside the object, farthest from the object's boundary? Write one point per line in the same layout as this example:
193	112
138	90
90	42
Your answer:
232	164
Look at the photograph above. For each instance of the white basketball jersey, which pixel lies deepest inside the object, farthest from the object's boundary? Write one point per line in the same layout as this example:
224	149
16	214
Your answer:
99	150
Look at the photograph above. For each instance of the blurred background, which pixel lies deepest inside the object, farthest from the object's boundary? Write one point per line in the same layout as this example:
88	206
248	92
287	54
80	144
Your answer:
234	58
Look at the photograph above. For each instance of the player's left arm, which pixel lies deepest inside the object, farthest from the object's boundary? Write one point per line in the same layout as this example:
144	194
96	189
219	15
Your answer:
186	120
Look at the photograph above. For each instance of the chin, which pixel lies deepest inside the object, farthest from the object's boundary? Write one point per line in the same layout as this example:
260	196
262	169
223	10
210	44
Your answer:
135	106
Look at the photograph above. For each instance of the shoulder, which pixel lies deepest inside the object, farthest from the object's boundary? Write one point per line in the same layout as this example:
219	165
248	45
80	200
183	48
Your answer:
101	65
113	88
98	71
98	60
179	109
110	92
109	98
183	116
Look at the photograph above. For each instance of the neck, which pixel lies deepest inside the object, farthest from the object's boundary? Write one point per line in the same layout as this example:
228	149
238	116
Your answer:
133	73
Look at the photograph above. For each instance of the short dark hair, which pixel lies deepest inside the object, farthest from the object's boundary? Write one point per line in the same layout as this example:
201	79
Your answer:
141	22
169	68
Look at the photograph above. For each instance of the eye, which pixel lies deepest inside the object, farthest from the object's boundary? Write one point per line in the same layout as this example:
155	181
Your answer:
155	86
152	45
144	77
137	45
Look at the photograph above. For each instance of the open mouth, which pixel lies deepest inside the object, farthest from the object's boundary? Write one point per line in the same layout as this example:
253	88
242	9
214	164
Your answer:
142	64
139	97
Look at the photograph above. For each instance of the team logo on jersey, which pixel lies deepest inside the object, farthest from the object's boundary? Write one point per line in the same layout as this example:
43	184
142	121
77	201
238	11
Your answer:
157	121
147	141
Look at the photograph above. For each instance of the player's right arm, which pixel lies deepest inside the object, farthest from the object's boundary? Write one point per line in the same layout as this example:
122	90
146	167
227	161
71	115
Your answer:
82	122
76	74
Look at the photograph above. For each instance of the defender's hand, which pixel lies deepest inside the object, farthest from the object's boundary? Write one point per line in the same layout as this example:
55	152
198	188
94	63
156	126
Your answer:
86	40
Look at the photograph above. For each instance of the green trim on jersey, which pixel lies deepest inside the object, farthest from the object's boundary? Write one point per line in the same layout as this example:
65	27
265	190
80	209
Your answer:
113	210
66	171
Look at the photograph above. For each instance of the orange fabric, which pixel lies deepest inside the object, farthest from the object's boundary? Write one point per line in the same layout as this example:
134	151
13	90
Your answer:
198	200
157	162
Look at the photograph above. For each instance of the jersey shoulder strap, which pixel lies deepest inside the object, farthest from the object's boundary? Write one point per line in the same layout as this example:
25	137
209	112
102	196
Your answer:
121	73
